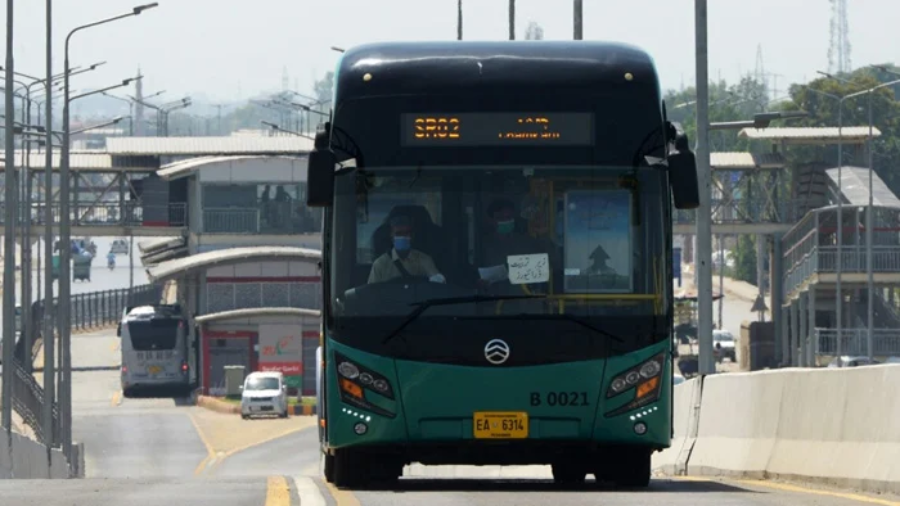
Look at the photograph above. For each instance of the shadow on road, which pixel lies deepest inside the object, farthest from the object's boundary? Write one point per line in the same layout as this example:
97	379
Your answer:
181	396
417	484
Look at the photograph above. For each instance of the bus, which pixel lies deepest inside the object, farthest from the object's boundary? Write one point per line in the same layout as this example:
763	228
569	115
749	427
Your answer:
154	348
497	259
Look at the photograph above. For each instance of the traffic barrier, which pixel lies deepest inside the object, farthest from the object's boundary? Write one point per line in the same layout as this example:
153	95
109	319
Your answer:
29	460
686	405
832	426
303	410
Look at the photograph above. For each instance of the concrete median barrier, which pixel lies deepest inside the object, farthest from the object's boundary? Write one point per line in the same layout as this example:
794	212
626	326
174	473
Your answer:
29	460
687	410
832	426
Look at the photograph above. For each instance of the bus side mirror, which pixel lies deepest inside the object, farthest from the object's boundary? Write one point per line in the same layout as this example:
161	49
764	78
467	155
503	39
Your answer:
320	171
683	180
682	169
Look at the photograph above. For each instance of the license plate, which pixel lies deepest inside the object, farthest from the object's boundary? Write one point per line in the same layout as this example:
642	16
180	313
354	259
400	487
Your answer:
154	369
500	425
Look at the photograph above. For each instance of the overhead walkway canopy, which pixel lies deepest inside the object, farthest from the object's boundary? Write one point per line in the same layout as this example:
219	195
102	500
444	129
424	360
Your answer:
173	269
854	186
83	161
811	135
734	161
207	146
156	251
190	166
254	313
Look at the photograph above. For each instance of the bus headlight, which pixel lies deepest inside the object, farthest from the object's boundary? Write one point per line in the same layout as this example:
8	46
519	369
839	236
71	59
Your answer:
646	381
348	370
363	377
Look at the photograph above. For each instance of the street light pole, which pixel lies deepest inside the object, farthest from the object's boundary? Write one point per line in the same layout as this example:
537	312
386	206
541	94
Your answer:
703	275
870	222
9	239
49	340
65	233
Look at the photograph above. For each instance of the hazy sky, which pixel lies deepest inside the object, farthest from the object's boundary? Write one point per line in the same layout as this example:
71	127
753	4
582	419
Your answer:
231	49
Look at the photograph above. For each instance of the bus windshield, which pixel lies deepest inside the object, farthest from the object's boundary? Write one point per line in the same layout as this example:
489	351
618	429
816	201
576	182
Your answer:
588	241
160	334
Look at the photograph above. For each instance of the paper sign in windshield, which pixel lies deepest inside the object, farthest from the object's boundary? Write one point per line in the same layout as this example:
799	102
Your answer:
526	269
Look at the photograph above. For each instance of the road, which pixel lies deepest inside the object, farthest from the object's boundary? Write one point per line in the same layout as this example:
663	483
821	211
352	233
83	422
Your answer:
101	277
163	450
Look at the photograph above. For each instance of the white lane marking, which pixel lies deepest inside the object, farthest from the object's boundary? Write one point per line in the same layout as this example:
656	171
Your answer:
308	491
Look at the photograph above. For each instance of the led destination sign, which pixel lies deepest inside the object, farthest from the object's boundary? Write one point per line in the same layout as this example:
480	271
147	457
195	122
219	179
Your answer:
498	129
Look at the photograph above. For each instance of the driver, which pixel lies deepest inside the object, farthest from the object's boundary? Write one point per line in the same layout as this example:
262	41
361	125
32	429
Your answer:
402	260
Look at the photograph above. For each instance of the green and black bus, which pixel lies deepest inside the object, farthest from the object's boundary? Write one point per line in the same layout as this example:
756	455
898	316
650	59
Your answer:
497	262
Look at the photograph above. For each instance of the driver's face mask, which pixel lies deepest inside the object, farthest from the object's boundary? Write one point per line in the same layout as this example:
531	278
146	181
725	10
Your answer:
402	243
506	227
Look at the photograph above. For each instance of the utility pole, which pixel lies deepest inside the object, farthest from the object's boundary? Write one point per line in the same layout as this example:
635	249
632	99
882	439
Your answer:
579	16
9	238
49	340
704	218
512	19
459	21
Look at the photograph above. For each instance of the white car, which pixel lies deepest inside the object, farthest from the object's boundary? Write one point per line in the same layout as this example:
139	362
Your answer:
724	345
264	393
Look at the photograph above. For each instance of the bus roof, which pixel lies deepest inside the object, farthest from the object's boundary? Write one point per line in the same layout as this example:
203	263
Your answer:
151	311
457	66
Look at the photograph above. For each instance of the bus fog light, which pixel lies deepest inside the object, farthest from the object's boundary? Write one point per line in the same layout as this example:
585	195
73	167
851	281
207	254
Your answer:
381	385
640	428
360	428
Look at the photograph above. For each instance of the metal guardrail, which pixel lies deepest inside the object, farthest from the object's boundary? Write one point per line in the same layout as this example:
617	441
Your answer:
87	310
28	401
133	214
99	308
824	259
886	342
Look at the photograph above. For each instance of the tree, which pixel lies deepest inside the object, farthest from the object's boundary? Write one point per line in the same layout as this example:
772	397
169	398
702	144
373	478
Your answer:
534	31
324	88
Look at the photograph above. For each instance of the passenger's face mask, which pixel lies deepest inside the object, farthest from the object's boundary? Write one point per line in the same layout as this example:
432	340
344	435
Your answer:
402	243
506	227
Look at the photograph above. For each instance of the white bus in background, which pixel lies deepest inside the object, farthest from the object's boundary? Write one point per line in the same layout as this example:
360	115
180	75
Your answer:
154	348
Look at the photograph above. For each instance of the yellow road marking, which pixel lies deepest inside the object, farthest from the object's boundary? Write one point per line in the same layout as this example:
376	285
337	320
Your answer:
114	346
210	452
231	452
116	398
342	497
784	487
802	490
277	492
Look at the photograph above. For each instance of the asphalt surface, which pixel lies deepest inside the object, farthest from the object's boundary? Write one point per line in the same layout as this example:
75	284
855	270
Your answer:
148	451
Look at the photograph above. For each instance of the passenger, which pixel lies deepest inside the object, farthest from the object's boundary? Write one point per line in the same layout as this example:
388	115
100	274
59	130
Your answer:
403	260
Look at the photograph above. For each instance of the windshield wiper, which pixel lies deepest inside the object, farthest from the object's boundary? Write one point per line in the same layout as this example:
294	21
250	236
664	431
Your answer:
425	304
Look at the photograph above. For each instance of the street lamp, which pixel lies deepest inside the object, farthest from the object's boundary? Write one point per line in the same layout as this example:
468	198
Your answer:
273	126
65	236
870	281
839	299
